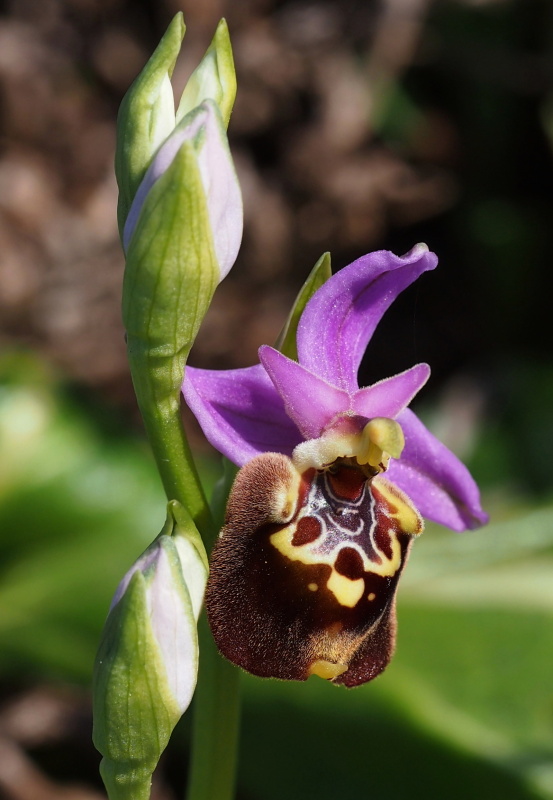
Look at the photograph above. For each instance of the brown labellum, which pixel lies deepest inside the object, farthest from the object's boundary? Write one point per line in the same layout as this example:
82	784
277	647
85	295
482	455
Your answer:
304	575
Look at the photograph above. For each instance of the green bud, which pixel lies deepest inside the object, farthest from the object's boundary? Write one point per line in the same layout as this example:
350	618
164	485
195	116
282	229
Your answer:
214	77
183	231
147	114
146	117
147	663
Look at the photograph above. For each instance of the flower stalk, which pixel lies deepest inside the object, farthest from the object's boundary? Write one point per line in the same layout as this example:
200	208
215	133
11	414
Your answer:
180	216
216	726
163	272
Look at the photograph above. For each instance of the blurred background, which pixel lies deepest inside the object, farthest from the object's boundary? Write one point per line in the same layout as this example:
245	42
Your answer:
358	125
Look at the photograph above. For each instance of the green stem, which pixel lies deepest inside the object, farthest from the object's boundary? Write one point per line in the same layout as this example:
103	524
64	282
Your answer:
160	409
216	729
216	724
216	701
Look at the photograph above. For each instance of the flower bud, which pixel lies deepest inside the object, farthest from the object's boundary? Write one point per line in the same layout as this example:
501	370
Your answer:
203	132
214	78
183	233
147	663
182	227
147	114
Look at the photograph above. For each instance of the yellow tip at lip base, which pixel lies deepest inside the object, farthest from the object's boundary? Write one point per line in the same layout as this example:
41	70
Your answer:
326	669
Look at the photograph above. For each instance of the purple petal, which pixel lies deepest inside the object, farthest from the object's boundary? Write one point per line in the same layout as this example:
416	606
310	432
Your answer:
389	397
308	400
340	318
240	412
439	485
224	199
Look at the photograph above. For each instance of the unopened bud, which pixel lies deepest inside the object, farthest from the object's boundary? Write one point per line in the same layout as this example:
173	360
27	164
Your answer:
147	663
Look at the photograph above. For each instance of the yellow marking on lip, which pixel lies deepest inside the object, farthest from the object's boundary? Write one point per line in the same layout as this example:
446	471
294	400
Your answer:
326	669
305	554
410	521
347	592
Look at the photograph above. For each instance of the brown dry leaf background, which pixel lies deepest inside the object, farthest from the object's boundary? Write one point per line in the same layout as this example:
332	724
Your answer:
313	175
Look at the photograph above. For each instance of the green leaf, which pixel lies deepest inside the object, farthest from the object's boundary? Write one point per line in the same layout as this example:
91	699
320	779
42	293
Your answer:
475	638
510	542
320	273
214	78
364	743
146	117
68	498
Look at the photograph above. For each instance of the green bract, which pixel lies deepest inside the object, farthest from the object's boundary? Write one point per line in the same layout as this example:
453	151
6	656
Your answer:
184	230
147	662
320	273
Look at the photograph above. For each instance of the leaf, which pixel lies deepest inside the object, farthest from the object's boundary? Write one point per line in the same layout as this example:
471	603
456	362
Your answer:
364	742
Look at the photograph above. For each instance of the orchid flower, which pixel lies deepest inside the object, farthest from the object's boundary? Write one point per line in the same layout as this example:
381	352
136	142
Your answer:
304	575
